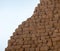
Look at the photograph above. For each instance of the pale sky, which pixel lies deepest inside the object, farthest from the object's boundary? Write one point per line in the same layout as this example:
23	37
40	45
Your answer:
13	13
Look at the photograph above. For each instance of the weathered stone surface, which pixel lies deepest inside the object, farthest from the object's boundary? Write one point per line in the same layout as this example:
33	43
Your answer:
41	32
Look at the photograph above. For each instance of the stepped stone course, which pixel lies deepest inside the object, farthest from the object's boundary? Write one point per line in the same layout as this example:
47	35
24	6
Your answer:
40	32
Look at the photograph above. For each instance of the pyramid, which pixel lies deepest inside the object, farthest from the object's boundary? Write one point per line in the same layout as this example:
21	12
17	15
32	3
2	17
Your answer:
40	32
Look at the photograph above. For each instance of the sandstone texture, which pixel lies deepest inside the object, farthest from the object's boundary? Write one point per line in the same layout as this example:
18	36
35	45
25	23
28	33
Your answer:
40	32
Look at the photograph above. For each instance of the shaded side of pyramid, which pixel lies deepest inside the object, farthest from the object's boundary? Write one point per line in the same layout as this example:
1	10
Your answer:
40	32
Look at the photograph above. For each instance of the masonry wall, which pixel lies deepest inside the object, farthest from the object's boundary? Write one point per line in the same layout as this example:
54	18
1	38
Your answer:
40	32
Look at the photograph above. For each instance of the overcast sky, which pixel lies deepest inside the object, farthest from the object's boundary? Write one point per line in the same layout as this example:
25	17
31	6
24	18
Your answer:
13	13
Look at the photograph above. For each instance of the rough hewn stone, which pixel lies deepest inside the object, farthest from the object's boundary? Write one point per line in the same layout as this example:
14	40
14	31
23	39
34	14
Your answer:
41	32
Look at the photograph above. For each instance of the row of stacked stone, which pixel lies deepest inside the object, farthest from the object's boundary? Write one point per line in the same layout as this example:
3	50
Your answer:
40	32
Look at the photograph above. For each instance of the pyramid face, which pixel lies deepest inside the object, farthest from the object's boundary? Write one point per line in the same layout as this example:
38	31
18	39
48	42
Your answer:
40	32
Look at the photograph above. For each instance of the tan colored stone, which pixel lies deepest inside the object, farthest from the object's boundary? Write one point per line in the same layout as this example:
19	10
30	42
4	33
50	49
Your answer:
40	32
